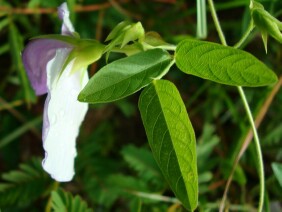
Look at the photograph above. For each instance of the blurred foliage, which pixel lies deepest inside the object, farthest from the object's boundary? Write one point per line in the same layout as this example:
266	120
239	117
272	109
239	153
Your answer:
115	170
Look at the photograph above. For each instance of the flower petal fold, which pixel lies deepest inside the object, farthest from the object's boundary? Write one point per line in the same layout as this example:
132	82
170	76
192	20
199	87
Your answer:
63	115
67	27
35	56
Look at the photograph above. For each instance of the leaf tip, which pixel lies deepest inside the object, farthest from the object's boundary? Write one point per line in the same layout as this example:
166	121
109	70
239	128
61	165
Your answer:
81	97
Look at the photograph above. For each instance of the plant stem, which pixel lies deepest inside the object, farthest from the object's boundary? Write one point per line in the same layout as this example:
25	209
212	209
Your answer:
48	207
77	8
247	109
154	197
245	36
258	148
217	23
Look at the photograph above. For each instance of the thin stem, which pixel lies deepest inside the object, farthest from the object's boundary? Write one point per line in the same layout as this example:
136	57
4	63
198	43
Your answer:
248	111
154	196
245	36
217	23
201	19
258	148
249	136
48	207
77	8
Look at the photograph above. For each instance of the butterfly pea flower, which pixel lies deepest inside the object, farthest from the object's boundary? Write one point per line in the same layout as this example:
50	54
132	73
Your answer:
57	65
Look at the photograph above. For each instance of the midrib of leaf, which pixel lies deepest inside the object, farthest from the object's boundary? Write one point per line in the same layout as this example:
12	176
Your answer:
125	79
222	64
133	76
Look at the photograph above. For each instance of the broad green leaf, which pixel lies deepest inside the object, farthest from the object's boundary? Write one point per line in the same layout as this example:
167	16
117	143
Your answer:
277	169
222	64
126	76
171	138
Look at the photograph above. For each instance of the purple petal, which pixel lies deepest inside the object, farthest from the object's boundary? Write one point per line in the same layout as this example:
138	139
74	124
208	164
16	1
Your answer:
35	57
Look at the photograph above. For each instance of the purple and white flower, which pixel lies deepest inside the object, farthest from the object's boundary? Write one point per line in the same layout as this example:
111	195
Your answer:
44	61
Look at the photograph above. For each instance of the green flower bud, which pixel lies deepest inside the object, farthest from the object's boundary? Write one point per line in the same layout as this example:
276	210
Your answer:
124	33
266	23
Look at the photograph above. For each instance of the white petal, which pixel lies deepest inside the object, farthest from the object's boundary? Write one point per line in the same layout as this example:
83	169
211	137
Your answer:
63	116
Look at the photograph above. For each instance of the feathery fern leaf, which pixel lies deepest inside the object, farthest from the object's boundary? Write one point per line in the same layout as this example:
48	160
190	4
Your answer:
64	201
142	161
23	186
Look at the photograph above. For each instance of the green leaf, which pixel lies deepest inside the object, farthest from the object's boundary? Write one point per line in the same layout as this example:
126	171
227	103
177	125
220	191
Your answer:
277	169
126	76
3	23
16	46
64	201
171	138
64	38
23	186
125	183
222	64
141	160
19	131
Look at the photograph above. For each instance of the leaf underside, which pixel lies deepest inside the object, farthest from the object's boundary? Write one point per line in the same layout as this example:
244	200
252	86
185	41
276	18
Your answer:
124	77
222	64
171	138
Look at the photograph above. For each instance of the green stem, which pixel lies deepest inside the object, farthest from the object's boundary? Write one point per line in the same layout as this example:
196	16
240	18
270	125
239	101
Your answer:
154	196
258	148
217	23
247	108
245	36
48	207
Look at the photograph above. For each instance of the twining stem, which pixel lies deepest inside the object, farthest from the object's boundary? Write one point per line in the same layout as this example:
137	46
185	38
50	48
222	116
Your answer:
217	23
249	136
248	111
258	148
245	36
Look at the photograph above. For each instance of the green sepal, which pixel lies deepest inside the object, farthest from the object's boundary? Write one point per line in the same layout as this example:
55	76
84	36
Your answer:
84	54
117	30
134	32
266	23
154	40
64	38
124	33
